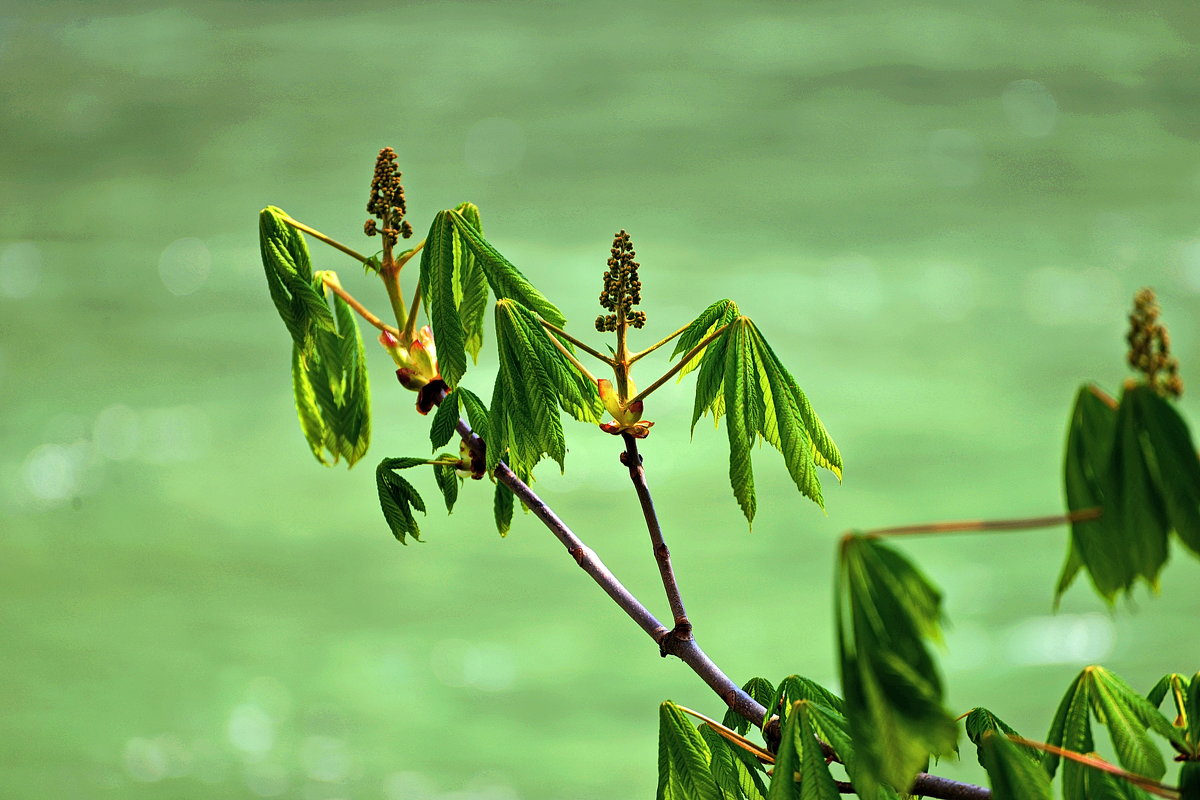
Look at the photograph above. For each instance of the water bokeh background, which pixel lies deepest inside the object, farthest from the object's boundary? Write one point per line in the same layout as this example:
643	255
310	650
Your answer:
937	213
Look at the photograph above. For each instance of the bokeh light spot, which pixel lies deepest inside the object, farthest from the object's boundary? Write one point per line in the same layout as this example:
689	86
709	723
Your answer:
1030	108
1061	639
184	265
51	472
145	760
251	730
117	432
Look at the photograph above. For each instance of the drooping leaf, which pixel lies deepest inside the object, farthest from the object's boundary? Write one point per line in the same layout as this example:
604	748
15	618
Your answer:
470	284
1174	684
447	480
886	612
445	419
331	390
797	687
437	287
1171	456
502	508
981	721
743	415
1014	775
297	297
736	779
683	759
397	497
1138	506
506	281
477	413
762	691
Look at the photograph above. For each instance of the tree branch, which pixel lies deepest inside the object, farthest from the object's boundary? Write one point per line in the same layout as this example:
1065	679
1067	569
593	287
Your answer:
633	460
686	650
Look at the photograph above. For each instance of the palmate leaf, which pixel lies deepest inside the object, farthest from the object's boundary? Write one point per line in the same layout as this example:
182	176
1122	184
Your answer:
297	298
505	279
1098	693
502	508
715	316
332	392
683	759
886	610
1137	505
1171	456
397	497
741	377
797	687
447	480
442	429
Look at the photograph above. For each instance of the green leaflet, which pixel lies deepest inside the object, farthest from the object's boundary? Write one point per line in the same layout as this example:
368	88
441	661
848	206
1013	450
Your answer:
735	771
797	687
763	691
741	378
683	759
534	380
506	281
397	497
438	267
981	721
1170	455
1137	505
502	508
1098	693
886	610
718	314
441	430
799	753
470	283
477	413
447	479
1189	780
288	268
1013	774
332	393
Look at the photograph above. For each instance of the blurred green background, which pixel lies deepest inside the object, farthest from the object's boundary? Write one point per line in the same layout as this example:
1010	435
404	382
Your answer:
936	211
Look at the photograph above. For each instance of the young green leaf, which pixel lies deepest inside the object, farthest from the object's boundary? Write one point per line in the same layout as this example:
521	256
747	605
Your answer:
441	430
506	281
744	413
1138	505
797	687
715	316
981	721
886	610
683	759
502	508
1013	774
438	269
800	753
470	284
477	413
311	423
397	497
447	480
535	380
297	297
731	774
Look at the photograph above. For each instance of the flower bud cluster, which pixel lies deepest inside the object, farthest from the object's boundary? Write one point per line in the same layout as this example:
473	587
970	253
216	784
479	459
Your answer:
387	199
622	289
1150	346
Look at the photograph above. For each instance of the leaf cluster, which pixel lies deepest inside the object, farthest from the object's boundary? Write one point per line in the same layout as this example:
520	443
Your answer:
1138	464
329	369
741	378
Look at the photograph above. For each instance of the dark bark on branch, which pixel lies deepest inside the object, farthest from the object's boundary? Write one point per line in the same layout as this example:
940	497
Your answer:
662	554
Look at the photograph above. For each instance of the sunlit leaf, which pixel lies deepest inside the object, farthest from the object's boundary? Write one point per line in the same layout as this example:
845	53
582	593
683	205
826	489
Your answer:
718	314
470	284
505	279
309	413
886	612
683	759
397	497
437	286
297	297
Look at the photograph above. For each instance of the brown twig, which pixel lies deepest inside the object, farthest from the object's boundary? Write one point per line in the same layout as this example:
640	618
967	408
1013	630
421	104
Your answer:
979	525
633	461
1149	784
